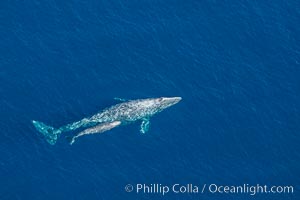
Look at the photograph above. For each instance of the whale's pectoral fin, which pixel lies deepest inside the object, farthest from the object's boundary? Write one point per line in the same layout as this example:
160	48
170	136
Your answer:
145	125
120	99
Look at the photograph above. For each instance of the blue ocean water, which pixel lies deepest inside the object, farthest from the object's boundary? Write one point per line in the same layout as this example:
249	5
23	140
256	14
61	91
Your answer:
234	63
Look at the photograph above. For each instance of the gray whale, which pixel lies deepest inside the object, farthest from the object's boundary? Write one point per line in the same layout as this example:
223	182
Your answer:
119	114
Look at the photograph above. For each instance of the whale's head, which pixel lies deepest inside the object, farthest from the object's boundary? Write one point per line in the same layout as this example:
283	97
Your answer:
165	102
149	107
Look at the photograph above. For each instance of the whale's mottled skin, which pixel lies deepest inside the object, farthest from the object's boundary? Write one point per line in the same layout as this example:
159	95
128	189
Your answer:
122	113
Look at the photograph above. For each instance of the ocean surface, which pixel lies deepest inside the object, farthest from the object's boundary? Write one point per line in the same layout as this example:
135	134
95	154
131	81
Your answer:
236	65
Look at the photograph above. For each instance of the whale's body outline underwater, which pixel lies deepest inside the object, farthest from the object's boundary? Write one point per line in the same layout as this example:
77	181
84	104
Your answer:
109	118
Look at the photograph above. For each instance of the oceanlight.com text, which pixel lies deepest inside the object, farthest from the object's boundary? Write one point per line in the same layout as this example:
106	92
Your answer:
164	189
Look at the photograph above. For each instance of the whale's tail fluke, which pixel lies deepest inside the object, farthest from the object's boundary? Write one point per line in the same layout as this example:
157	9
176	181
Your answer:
51	134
